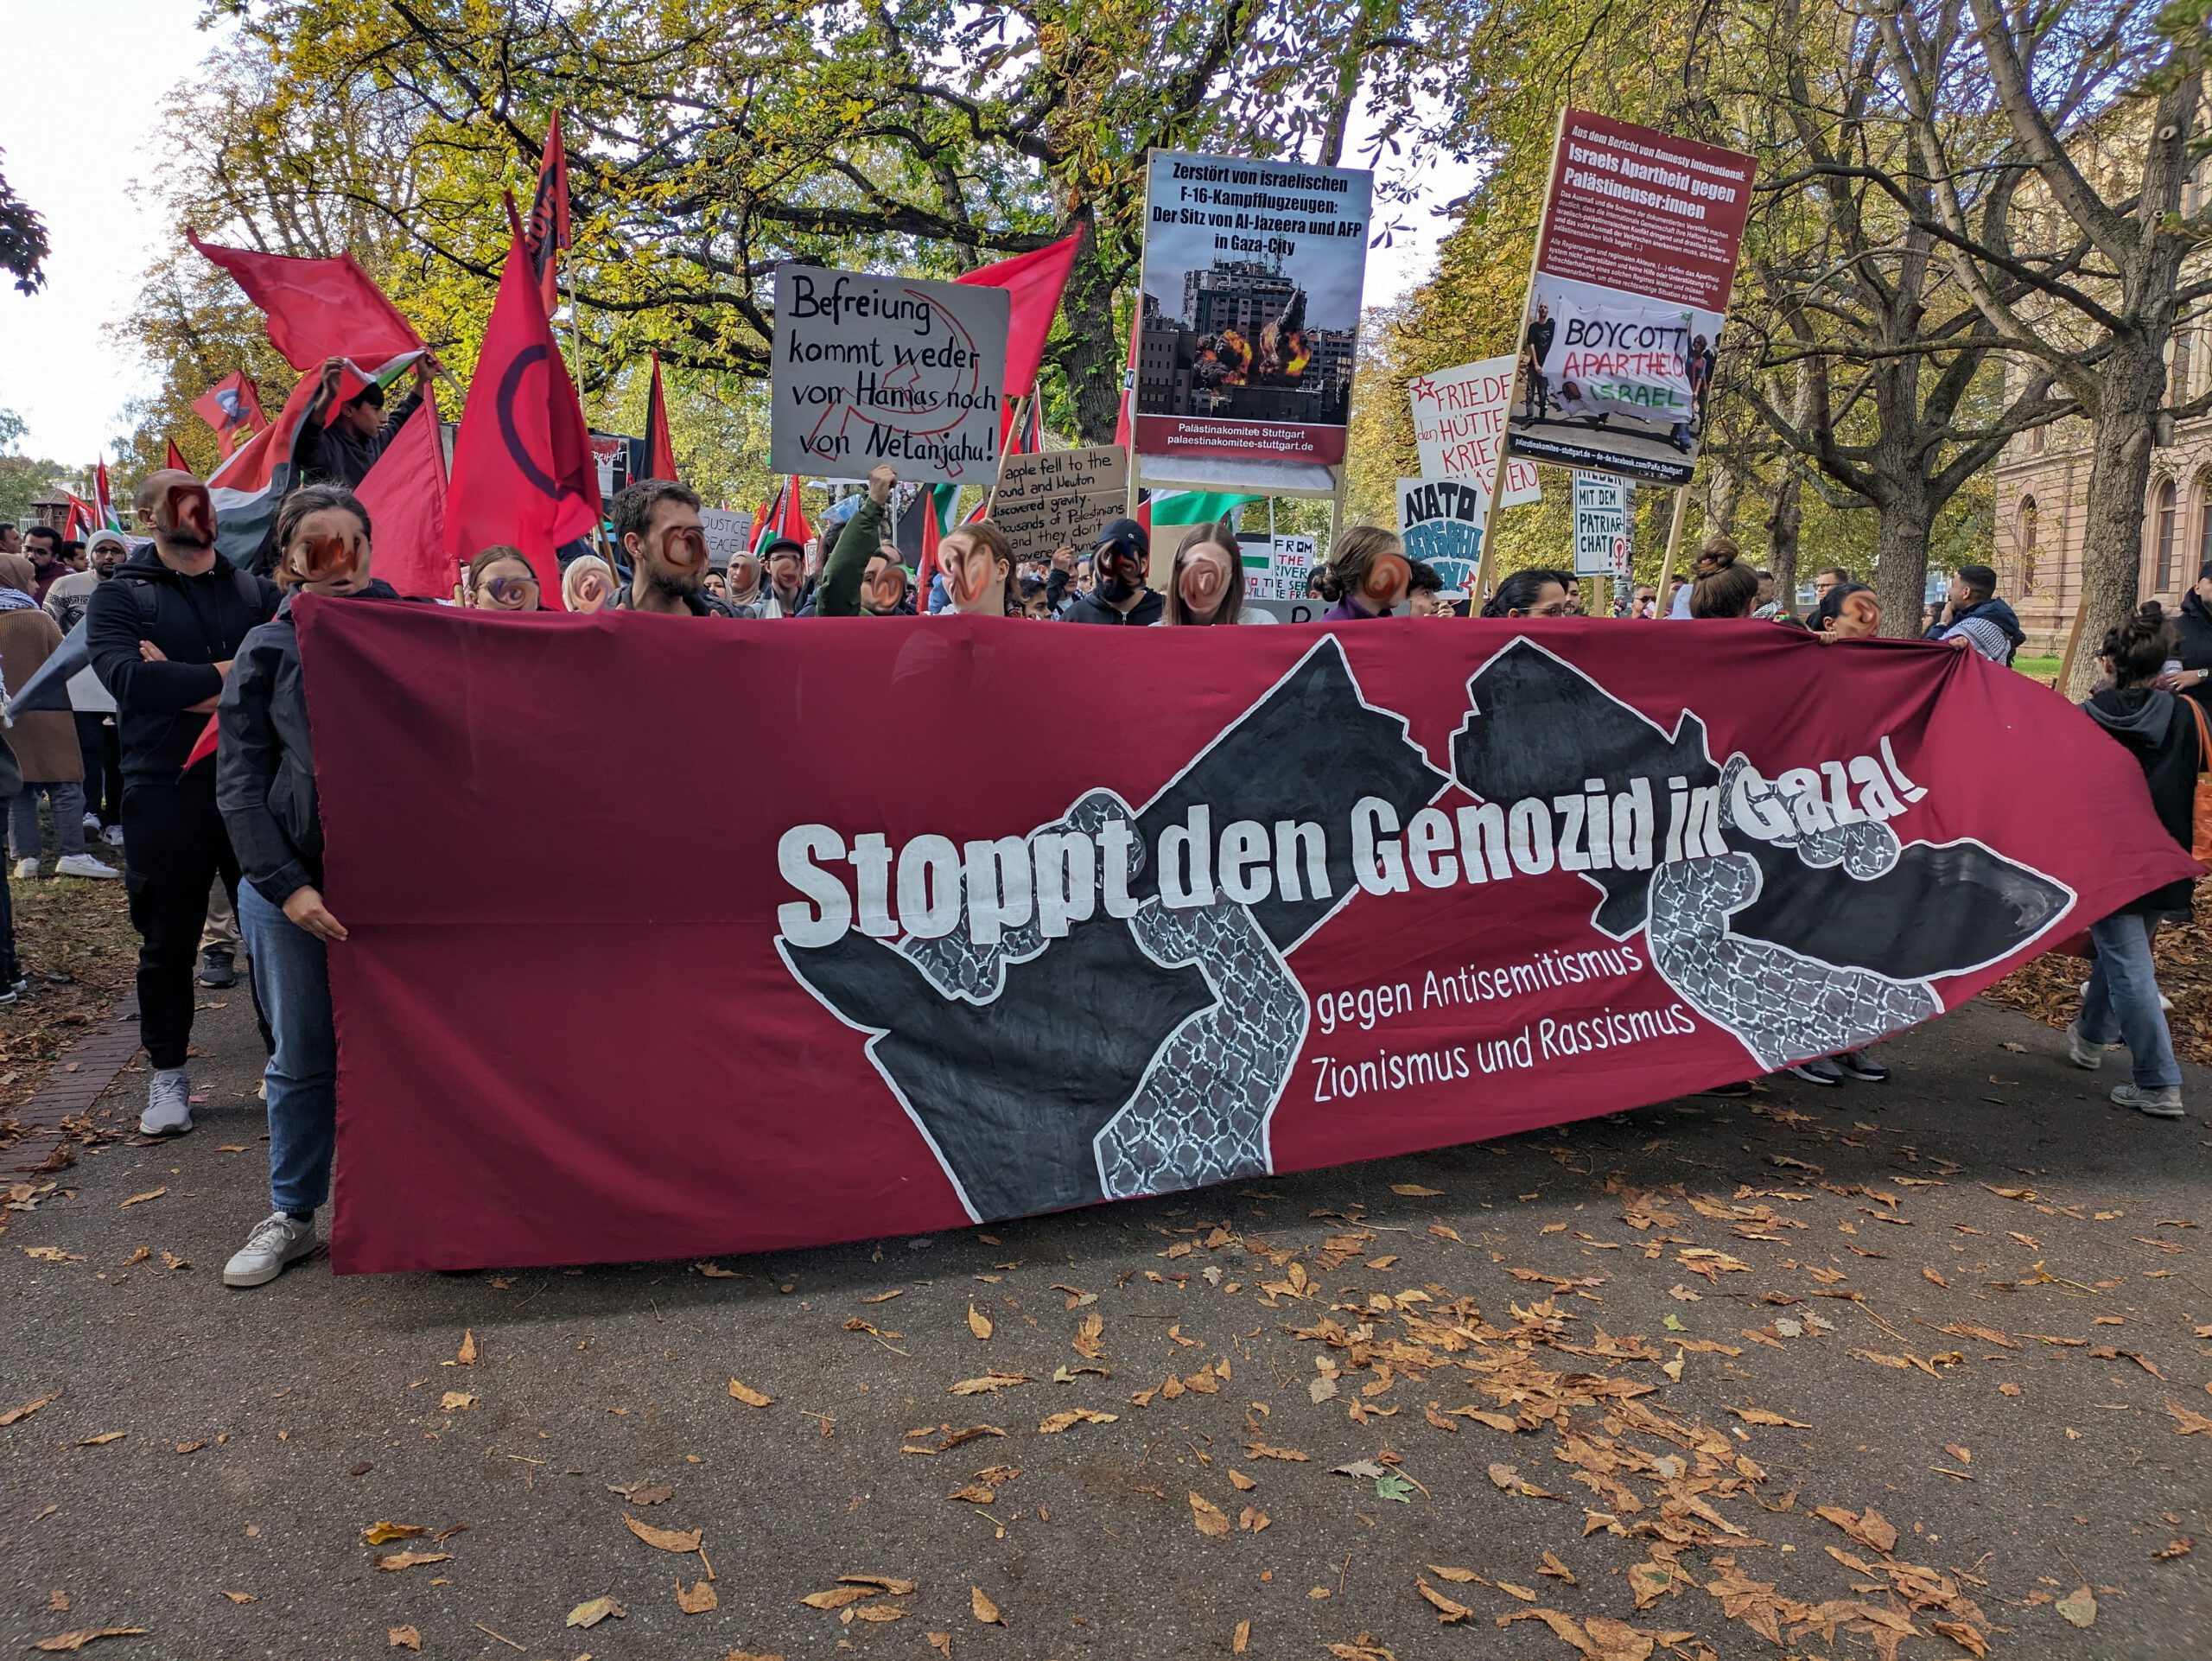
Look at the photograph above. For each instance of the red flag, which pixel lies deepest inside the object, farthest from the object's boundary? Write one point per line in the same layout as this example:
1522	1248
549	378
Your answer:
1121	429
318	308
523	472
405	496
1033	283
660	452
548	230
791	516
176	463
81	520
232	407
926	568
103	499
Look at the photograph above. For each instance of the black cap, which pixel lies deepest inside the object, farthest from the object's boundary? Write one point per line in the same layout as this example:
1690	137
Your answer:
774	543
1128	533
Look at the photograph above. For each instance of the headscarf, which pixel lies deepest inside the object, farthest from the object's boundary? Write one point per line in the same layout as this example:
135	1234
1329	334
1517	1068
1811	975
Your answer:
15	579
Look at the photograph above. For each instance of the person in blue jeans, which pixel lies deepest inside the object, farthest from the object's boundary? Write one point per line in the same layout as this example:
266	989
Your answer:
264	785
2120	1004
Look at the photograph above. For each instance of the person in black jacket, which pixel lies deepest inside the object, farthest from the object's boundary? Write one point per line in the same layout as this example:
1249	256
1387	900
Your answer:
343	452
265	784
1121	557
2193	641
162	635
2120	1004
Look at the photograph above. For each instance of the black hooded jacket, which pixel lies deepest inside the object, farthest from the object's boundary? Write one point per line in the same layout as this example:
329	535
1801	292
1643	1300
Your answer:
264	767
2159	731
196	622
2193	638
1092	608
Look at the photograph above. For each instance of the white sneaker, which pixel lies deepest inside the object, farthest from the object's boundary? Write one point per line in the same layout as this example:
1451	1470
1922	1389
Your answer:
2088	1057
112	835
85	865
277	1242
92	824
25	868
2165	1003
169	1104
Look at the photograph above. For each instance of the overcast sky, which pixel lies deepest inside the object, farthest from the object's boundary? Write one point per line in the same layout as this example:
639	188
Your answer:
77	122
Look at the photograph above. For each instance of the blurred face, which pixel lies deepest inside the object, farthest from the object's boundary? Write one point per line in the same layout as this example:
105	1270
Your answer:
883	587
1646	599
1822	583
1859	618
786	571
1962	595
11	539
1120	570
45	553
1385	586
977	581
1426	603
715	584
1084	577
744	574
1202	579
590	590
1037	608
184	514
106	559
1766	589
506	585
672	551
328	552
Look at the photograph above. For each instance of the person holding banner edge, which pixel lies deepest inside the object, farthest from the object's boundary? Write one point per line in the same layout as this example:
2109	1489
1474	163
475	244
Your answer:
265	788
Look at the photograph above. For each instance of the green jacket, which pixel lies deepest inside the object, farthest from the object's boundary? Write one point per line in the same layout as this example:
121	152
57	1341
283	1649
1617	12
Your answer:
837	594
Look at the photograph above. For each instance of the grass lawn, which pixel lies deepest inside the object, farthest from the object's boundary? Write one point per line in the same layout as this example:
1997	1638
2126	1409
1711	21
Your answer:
2043	669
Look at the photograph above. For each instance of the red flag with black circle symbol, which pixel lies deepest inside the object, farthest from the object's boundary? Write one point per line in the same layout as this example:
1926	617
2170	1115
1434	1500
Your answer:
661	450
523	472
547	233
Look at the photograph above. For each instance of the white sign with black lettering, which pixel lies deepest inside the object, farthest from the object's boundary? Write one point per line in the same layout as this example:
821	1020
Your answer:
1601	545
729	534
883	369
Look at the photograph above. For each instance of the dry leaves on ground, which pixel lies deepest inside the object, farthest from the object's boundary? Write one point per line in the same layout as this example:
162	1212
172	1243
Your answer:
392	1563
750	1397
679	1540
983	1609
70	1642
402	1637
591	1613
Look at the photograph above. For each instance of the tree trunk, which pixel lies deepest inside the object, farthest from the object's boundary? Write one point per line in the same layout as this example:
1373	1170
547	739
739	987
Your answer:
1901	563
1094	354
1723	487
2119	470
1783	522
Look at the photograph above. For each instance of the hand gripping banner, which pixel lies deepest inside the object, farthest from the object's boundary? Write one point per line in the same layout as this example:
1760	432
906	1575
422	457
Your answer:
670	937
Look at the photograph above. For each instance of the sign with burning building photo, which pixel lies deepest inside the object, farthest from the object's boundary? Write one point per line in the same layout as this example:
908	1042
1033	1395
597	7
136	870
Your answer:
1248	322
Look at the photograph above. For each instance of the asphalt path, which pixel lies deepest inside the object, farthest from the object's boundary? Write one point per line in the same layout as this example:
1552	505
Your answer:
212	1459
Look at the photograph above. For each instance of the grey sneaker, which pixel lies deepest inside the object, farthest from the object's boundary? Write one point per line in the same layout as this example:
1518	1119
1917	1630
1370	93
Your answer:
169	1104
277	1242
2082	1054
2162	1103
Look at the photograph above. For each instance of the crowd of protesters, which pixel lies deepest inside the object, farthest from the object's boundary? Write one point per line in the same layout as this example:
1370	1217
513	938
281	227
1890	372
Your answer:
174	631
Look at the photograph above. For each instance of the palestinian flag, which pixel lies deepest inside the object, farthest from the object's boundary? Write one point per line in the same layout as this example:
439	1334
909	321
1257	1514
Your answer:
786	517
249	487
103	502
1183	508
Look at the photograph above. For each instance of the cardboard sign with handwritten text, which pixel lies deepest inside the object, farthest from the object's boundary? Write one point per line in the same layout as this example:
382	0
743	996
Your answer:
1060	496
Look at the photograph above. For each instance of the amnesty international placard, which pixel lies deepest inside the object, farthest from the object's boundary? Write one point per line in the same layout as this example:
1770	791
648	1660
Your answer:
1059	497
1249	322
887	369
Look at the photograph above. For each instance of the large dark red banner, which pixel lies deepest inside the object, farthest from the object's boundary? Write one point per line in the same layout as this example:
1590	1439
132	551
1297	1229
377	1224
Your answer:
671	938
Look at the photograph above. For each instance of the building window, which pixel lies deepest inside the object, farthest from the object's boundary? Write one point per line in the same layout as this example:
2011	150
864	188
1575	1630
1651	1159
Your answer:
2169	541
2204	518
2184	383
